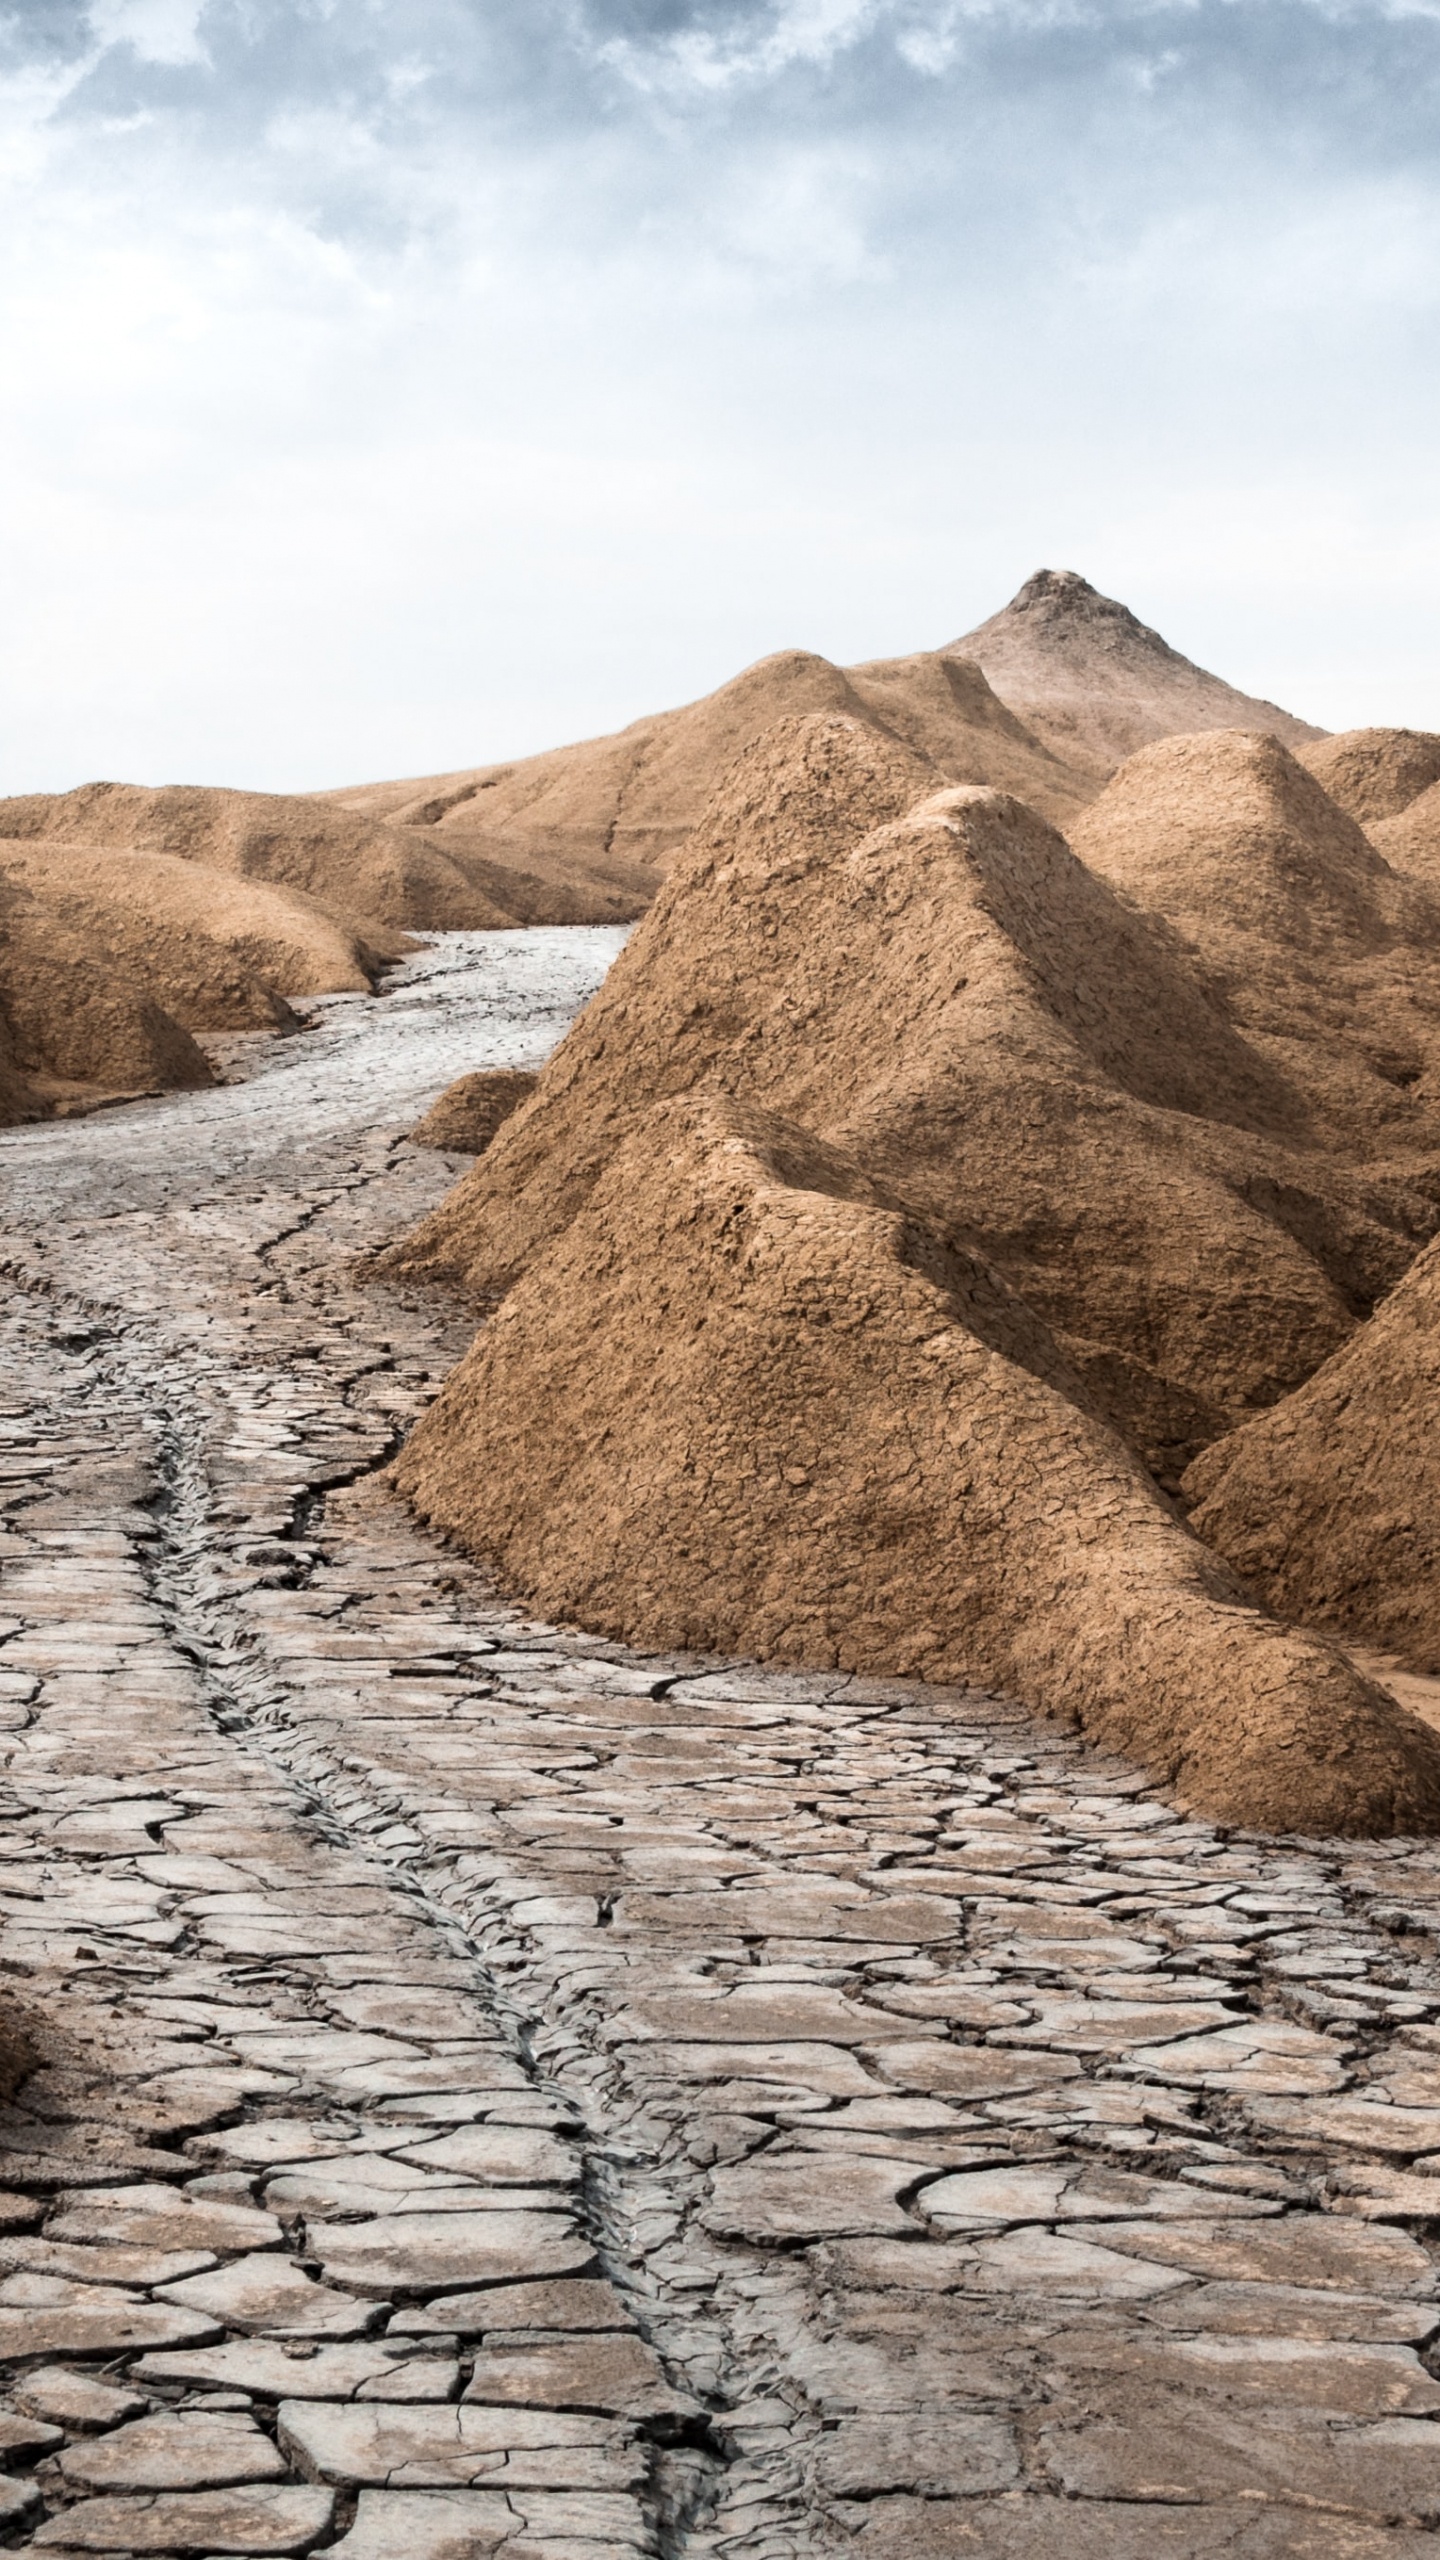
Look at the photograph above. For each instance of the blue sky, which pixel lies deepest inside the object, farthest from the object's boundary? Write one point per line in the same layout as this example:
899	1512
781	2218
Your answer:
391	384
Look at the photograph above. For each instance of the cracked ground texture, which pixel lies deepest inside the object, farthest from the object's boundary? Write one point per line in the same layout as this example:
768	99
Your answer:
496	2090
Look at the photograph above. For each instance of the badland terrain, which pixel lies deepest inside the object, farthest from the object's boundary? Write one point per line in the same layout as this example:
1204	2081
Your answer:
983	1228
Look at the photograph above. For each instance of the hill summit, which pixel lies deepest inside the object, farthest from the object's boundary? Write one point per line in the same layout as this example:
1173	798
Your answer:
1093	682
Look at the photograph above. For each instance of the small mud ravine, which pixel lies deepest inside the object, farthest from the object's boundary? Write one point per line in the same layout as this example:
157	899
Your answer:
497	2089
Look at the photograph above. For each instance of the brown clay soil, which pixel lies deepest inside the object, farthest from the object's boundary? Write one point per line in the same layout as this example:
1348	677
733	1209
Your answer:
134	918
1411	842
373	877
1094	682
73	1028
580	836
1024	1052
1330	1505
1374	773
112	961
1327	957
922	1199
469	1111
812	1427
637	797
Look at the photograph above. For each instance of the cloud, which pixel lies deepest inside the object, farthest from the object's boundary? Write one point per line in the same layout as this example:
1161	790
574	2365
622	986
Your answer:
386	385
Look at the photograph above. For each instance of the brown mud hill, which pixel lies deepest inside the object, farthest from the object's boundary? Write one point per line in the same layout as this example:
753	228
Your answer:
469	1112
371	878
74	1028
1411	842
1326	957
1330	1505
111	962
813	1425
637	797
933	981
1094	683
1374	773
217	953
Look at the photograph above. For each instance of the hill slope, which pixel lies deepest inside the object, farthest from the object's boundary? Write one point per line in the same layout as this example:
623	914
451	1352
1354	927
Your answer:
1330	1506
1093	682
635	798
997	1033
860	988
74	1029
814	1428
111	962
1328	957
1373	774
375	879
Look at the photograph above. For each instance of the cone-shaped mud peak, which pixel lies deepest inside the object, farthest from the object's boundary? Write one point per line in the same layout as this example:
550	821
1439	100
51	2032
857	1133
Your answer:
1061	611
1093	682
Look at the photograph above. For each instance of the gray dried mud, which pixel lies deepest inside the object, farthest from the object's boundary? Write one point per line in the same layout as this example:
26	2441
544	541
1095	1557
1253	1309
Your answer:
499	2089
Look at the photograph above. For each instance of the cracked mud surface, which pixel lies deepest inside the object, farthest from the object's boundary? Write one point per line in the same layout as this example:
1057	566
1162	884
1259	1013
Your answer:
500	2089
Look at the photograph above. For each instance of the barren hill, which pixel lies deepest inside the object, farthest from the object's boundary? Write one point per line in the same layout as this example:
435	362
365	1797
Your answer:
813	1427
1328	957
963	1029
1374	773
374	878
1330	1505
1042	701
218	953
990	1027
582	835
636	797
1411	842
73	1028
1094	682
110	962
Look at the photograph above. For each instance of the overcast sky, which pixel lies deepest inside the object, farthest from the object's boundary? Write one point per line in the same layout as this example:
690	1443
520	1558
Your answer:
386	385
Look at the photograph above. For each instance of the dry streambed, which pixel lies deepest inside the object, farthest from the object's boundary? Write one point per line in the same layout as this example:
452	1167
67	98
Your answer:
496	2088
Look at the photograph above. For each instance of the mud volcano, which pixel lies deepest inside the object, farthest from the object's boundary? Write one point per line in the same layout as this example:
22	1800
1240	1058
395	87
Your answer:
925	1204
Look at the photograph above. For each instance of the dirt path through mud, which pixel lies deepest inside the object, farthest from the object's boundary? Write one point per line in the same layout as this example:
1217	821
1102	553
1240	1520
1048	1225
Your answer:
497	2088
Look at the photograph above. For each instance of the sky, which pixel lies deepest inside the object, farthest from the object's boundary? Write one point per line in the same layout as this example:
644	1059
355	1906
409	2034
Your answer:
387	386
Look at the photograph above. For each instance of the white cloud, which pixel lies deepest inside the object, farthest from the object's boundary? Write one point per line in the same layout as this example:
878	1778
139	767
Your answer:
160	31
382	388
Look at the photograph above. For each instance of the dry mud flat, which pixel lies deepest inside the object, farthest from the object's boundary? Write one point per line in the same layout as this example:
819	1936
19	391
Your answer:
499	2089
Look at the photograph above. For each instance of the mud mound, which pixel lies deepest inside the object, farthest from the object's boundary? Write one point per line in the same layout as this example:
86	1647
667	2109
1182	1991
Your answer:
1094	683
1373	774
635	799
813	1426
216	953
955	999
1411	842
366	876
1330	1506
470	1111
1328	957
73	1027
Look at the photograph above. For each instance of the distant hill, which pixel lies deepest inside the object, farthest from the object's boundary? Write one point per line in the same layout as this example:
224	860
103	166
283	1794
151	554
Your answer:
1093	683
626	805
1040	703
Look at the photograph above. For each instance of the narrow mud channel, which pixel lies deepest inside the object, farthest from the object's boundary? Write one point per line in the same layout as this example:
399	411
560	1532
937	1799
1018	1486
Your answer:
495	2088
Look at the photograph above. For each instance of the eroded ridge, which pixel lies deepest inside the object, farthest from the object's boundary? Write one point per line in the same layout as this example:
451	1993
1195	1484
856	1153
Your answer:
498	2089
